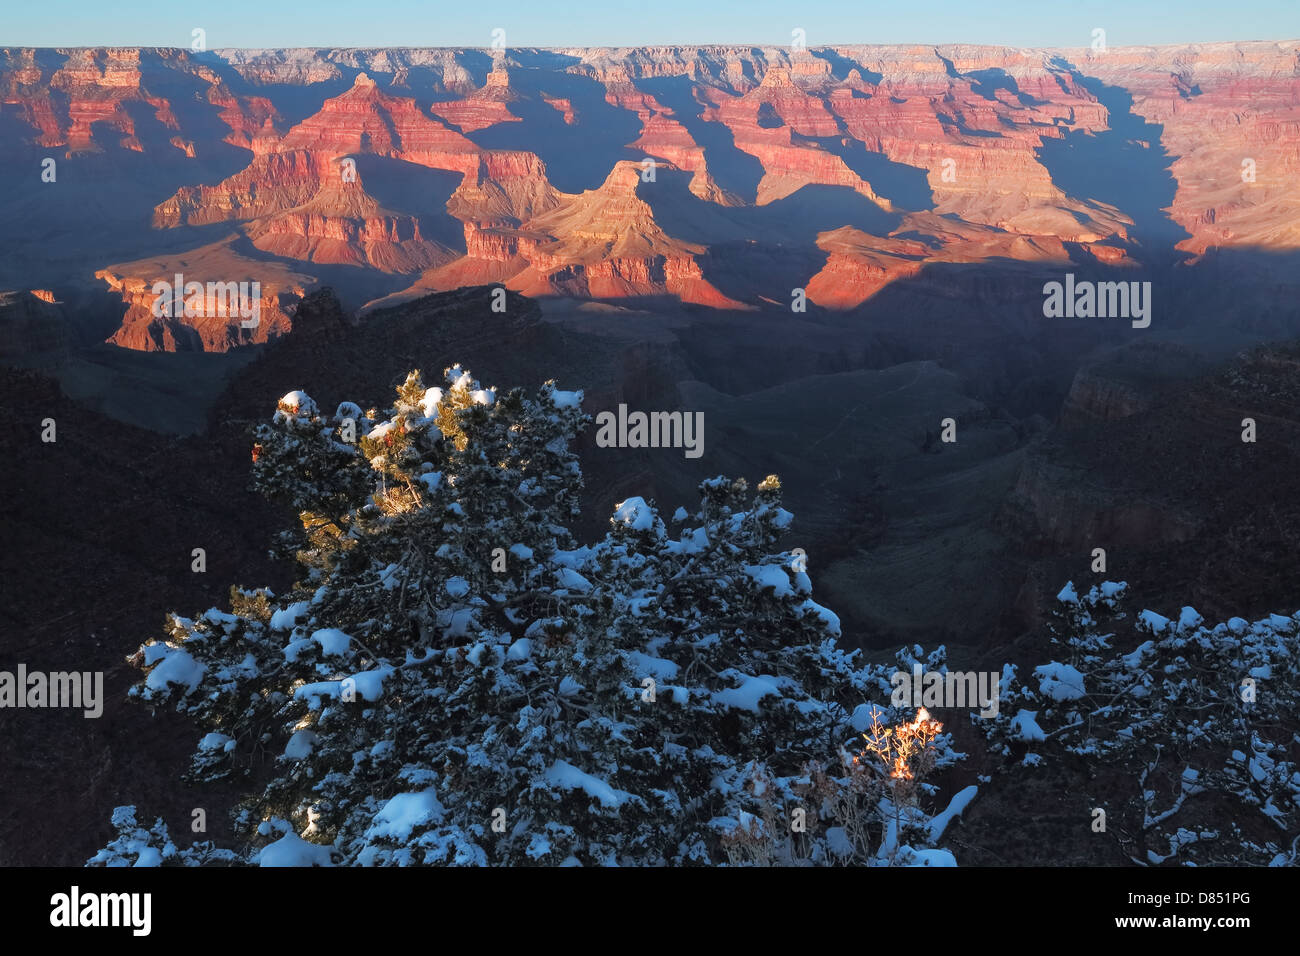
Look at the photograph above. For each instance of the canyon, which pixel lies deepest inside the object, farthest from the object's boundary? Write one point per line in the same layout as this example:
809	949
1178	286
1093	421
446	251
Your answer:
723	177
824	253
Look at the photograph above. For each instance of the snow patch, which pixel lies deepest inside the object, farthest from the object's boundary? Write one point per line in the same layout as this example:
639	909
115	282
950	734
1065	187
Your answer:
568	777
749	693
959	802
216	741
770	576
1153	621
1059	681
285	618
1025	726
829	617
403	813
332	641
300	744
177	667
293	850
634	513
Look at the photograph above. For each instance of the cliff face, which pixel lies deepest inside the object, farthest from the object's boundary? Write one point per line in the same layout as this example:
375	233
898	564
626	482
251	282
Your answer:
1229	116
1066	511
1099	397
1183	506
682	165
32	322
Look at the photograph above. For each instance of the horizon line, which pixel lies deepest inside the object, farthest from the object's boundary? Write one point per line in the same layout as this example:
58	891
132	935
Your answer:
643	46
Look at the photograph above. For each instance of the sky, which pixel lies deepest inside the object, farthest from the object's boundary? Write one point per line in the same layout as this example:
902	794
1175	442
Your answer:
562	23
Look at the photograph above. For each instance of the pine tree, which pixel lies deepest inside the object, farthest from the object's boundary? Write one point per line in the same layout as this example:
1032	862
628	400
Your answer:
1196	722
456	681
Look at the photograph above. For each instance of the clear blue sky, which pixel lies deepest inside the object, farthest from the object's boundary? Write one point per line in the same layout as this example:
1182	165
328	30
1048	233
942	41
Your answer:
267	23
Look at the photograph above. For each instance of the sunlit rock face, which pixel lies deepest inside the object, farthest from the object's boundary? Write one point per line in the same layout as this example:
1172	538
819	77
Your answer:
672	173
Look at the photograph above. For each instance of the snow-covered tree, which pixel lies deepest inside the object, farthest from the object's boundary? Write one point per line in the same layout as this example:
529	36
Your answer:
1187	739
455	680
136	845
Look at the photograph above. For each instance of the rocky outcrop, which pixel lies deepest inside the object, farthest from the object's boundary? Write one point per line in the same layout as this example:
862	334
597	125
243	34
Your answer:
859	266
602	244
1095	396
1127	381
343	225
217	327
490	105
274	182
1060	509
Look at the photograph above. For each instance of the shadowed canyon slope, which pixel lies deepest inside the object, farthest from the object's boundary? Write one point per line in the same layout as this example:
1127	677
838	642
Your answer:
723	177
